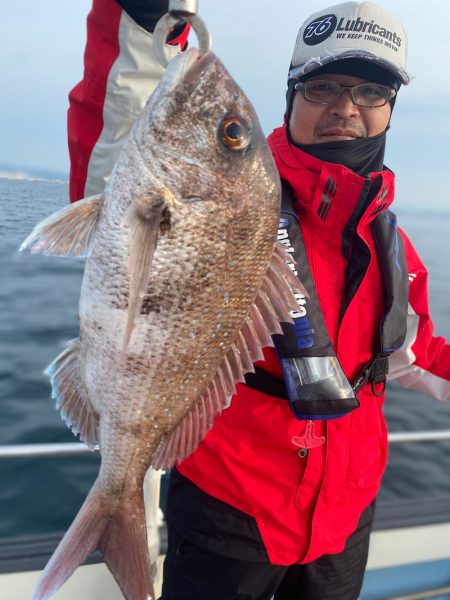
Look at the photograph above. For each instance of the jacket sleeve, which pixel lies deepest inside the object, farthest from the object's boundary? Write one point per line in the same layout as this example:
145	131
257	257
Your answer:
120	73
423	362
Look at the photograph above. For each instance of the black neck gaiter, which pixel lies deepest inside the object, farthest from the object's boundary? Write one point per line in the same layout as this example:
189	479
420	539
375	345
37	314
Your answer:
363	155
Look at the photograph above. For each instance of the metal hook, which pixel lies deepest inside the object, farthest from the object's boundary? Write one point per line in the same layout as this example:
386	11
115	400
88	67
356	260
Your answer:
179	10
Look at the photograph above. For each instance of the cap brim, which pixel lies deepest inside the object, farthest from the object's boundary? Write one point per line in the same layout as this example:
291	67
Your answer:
316	62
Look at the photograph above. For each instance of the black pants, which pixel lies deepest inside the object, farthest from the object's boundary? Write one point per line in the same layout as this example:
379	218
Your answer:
191	573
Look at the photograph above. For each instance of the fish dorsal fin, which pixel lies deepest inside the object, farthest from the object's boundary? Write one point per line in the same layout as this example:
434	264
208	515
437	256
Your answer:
68	232
71	397
273	304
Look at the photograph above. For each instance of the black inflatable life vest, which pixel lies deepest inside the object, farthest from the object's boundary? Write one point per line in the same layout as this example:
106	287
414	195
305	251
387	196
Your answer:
314	382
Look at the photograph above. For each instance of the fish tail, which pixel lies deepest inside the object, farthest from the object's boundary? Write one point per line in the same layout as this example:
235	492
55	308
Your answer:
120	535
79	541
125	550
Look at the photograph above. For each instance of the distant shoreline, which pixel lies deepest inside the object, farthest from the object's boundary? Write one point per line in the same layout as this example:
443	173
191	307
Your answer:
30	174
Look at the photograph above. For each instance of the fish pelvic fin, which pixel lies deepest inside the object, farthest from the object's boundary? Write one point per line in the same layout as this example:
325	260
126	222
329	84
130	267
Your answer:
273	303
143	218
122	537
68	232
71	396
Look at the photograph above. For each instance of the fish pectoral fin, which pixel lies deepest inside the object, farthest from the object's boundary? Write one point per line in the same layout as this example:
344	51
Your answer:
143	218
71	397
68	232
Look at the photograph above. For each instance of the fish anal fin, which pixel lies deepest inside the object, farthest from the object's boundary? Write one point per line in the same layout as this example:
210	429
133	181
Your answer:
68	232
71	397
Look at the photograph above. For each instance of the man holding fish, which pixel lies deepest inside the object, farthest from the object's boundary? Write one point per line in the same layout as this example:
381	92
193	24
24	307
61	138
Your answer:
278	498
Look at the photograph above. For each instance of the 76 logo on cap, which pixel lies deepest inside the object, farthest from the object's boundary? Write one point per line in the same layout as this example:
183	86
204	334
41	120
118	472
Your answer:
319	29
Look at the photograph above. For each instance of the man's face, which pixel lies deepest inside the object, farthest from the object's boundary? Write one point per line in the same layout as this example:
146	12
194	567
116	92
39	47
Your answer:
317	123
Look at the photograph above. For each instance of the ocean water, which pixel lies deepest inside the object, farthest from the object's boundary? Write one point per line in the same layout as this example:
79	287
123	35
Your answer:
38	314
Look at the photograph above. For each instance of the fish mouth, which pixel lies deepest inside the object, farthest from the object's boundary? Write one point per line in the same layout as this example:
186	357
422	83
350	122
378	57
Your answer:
185	70
198	66
181	65
188	67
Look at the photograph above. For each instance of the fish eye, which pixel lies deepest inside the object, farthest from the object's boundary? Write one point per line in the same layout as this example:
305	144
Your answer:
234	133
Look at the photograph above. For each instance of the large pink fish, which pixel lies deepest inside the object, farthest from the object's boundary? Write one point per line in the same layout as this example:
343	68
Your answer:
184	284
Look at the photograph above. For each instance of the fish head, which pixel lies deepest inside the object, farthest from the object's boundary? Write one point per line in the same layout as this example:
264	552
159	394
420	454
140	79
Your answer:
201	139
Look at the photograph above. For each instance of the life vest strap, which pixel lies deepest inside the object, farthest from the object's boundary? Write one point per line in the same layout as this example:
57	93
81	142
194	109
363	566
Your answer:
375	371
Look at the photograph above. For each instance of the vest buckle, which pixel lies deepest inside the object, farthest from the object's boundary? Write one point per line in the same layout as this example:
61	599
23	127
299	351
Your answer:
375	371
378	371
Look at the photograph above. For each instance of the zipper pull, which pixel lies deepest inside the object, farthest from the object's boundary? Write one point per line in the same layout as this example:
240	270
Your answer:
308	439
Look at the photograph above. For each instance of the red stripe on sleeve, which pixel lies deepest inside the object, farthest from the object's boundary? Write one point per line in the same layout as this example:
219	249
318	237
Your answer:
181	38
86	100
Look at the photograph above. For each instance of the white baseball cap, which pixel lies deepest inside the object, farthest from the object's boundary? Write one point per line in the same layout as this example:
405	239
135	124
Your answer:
361	30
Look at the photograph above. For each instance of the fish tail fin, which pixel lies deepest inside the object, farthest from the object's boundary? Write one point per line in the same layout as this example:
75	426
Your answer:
79	541
121	536
125	550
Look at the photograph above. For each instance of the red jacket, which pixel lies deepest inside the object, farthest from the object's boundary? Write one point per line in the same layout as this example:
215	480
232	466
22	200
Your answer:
307	507
303	507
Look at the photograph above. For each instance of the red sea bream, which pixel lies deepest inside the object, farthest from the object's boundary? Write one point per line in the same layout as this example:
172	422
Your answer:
184	284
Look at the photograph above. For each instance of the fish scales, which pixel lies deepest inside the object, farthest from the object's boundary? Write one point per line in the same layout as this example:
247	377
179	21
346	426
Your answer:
187	330
178	251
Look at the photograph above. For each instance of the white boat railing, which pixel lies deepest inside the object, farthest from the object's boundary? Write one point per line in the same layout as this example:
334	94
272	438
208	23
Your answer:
424	595
398	437
42	450
77	448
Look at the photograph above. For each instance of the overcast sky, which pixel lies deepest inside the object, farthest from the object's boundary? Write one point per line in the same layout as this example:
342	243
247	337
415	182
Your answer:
41	53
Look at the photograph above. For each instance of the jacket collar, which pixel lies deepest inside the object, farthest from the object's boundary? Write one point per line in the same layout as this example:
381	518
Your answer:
321	187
